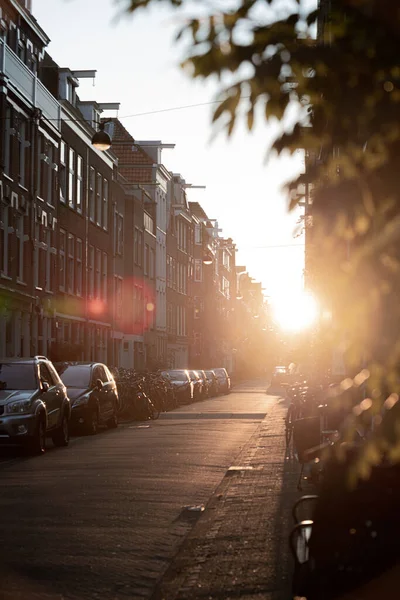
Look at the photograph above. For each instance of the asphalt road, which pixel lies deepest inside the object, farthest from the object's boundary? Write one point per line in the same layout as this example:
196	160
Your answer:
104	517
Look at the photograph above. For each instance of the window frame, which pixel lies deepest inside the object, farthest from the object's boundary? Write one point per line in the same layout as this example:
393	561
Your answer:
79	183
71	263
63	172
79	266
71	178
62	266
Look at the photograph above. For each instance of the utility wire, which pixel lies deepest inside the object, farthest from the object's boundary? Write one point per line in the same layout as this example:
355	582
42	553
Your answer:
151	112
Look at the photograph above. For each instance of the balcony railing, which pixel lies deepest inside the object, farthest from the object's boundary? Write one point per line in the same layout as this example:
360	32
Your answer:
28	85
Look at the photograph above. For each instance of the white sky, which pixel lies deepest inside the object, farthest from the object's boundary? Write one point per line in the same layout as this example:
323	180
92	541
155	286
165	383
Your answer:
137	65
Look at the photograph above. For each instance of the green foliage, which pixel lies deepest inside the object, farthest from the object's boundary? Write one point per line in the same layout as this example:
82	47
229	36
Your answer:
346	86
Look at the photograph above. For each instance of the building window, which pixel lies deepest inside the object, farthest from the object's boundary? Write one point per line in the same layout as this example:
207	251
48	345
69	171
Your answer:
173	274
62	249
138	304
71	178
225	287
21	50
146	259
23	154
20	248
198	270
152	263
179	278
79	183
148	222
118	296
5	237
105	204
98	274
169	318
138	246
169	271
119	234
8	142
198	307
71	264
43	167
198	234
79	255
104	276
63	172
91	272
99	199
47	242
92	194
51	181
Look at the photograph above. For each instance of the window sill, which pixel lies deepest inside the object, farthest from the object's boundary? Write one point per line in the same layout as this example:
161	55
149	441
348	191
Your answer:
8	177
23	188
6	277
39	198
20	282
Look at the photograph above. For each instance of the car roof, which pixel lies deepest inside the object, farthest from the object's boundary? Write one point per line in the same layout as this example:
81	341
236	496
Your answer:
70	363
23	361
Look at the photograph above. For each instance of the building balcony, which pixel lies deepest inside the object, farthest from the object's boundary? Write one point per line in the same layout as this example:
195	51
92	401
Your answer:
27	85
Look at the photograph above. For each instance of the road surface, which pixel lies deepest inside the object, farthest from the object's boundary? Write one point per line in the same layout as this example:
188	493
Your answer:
104	517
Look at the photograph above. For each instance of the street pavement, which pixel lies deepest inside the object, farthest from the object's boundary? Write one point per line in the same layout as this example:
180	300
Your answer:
152	509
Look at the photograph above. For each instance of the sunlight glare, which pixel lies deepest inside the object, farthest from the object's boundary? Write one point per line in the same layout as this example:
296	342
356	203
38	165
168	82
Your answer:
295	311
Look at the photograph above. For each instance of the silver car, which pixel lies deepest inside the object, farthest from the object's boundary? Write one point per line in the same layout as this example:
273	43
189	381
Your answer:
33	404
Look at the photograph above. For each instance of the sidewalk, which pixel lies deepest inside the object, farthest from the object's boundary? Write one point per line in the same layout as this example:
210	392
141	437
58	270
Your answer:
239	546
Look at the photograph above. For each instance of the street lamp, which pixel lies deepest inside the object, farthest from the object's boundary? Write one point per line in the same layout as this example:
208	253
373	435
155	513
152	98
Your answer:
207	259
101	140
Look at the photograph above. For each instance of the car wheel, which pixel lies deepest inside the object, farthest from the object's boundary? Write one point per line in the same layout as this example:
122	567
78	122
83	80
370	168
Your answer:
113	422
93	422
61	436
37	444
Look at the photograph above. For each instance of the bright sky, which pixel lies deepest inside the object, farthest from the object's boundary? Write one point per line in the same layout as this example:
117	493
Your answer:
137	65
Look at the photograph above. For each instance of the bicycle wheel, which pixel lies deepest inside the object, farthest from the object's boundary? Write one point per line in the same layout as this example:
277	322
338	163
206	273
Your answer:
289	426
154	412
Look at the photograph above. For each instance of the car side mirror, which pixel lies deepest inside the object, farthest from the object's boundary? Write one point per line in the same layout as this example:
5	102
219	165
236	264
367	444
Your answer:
45	386
99	384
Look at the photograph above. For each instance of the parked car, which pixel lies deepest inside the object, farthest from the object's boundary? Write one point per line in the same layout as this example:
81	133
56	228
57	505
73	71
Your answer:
182	383
33	404
280	376
93	394
204	382
213	383
223	379
197	384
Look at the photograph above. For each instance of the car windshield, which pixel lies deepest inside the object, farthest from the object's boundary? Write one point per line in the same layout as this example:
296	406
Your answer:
177	375
14	376
220	373
76	376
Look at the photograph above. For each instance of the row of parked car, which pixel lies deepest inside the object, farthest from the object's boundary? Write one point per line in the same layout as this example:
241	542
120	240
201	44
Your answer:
195	385
39	399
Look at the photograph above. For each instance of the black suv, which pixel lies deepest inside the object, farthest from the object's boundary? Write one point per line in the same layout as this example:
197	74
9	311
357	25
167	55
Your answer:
33	403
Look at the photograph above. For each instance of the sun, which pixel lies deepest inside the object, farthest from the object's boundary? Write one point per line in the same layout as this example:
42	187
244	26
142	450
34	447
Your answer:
295	312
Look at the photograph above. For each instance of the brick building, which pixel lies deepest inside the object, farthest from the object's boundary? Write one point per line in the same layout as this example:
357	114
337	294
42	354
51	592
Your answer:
31	130
117	251
179	274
